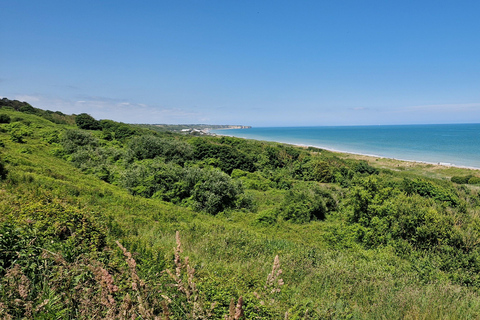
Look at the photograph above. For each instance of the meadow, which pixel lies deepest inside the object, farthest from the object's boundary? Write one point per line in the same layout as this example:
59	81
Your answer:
101	219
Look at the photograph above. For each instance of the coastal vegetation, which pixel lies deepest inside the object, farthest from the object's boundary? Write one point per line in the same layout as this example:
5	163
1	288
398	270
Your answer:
101	219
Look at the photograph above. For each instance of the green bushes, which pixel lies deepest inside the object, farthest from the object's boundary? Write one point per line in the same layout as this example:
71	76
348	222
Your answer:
206	190
214	191
5	118
18	131
306	202
87	122
72	140
427	189
364	167
116	130
229	157
468	179
474	180
149	147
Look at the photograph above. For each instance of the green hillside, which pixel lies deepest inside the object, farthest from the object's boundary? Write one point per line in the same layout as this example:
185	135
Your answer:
100	219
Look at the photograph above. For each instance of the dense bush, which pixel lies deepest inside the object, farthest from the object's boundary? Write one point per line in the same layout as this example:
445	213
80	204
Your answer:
4	118
461	179
254	181
306	202
150	147
474	180
207	190
364	167
229	157
15	104
214	191
428	189
320	170
87	122
72	140
116	130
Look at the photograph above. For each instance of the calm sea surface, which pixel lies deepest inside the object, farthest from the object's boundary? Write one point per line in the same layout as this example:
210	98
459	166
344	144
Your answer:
453	144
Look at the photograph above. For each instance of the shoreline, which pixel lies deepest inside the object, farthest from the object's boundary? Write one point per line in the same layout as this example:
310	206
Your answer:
442	164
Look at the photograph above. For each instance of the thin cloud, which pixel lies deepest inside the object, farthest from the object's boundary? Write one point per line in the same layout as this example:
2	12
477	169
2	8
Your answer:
461	107
115	109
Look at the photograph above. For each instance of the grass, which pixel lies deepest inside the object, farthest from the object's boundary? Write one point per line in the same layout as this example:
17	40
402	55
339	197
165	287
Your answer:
232	256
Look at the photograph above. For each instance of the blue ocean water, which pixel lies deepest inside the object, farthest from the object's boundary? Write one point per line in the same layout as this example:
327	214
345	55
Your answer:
451	144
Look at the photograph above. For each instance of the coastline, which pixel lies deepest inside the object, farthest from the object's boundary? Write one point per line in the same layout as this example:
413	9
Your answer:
364	156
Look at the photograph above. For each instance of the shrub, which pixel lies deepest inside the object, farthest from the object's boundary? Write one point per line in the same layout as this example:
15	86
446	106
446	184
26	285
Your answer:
149	147
266	217
116	130
26	108
306	202
364	167
321	171
18	131
428	189
72	140
461	179
230	157
215	191
5	118
474	180
207	190
87	122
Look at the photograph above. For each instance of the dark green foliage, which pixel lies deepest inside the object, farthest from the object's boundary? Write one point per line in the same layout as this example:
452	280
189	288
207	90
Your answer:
55	116
149	178
229	157
150	147
72	140
254	181
4	118
267	217
211	191
87	122
214	191
320	170
306	202
474	180
364	167
26	108
3	170
116	130
461	179
428	189
15	104
468	179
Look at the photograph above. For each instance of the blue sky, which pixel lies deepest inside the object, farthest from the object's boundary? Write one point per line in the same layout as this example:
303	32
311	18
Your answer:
260	63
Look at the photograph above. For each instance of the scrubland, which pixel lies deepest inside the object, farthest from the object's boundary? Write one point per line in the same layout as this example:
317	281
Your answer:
100	219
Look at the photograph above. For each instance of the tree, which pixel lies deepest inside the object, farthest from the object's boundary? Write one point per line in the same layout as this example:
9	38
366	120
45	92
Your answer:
86	121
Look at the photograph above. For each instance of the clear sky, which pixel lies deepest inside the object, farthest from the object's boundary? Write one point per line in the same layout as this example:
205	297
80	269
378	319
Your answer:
259	63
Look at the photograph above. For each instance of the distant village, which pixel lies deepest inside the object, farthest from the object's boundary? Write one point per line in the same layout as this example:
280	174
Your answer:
195	130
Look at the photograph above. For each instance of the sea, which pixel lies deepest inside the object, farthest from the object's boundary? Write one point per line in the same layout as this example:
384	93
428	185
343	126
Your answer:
446	144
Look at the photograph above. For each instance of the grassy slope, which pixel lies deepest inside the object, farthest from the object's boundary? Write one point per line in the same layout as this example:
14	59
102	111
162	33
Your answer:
233	257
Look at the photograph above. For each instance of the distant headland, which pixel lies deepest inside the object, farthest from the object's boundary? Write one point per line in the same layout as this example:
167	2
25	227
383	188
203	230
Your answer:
191	128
